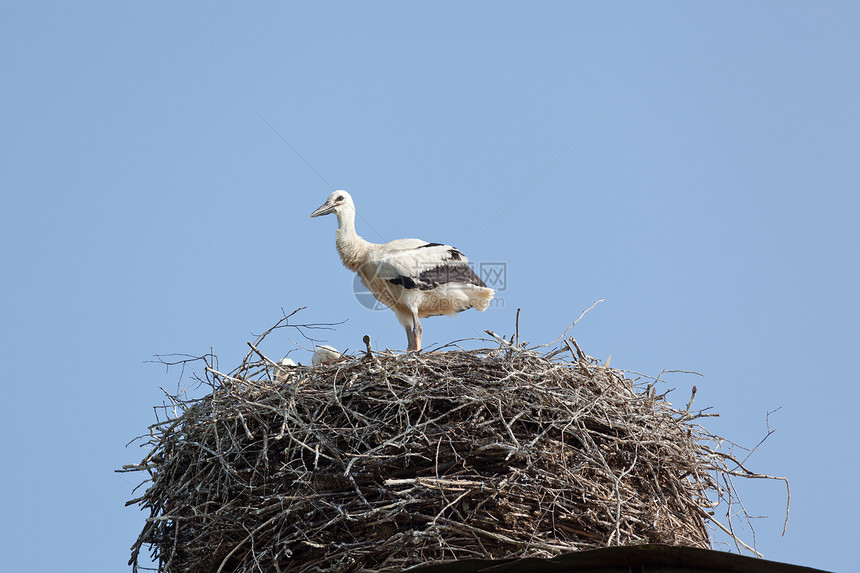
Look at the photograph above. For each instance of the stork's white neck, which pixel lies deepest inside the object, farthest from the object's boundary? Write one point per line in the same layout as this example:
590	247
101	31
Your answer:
351	248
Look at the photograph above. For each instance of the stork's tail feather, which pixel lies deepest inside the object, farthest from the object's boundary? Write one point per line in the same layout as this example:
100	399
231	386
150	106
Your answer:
483	296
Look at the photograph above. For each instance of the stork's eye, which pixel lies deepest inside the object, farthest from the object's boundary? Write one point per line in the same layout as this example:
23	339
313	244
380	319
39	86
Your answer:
339	199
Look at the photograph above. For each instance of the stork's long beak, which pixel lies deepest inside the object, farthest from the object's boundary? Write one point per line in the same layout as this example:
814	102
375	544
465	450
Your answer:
324	209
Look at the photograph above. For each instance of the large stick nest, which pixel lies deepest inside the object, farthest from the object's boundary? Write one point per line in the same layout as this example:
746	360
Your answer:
382	461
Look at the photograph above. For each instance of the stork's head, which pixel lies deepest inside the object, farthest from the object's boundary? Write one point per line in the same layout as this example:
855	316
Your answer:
338	203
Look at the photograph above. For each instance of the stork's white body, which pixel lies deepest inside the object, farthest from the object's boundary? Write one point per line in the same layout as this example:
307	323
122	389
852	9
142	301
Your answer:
281	370
414	278
324	353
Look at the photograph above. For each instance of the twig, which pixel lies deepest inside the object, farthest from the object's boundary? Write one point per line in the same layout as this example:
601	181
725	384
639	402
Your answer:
692	397
517	329
370	354
563	334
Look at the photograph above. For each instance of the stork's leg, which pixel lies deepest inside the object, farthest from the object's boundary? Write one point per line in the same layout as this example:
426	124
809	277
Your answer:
416	331
410	340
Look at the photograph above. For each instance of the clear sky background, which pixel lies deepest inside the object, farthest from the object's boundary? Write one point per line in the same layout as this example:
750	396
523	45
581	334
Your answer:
147	208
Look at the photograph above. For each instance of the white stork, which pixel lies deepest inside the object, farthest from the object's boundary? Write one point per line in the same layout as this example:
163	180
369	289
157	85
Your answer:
412	277
324	353
282	368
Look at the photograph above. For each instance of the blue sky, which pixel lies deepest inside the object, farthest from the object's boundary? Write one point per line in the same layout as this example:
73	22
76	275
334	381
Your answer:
147	208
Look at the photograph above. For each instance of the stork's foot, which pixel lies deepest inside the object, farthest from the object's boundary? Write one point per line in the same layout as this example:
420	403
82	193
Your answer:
413	349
